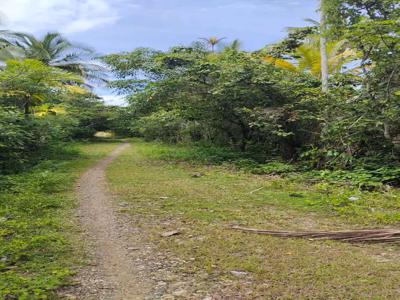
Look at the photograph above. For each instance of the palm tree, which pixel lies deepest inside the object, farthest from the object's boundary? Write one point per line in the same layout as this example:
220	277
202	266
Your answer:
56	51
213	41
323	48
235	45
7	49
308	57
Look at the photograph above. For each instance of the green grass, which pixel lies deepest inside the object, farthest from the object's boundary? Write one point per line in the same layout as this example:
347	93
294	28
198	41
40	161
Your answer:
37	251
163	195
356	206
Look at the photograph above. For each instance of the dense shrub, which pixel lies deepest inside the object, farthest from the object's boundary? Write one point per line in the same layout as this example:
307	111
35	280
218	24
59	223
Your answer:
24	140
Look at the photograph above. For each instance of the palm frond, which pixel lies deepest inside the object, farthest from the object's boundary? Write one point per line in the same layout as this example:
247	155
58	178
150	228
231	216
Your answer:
280	63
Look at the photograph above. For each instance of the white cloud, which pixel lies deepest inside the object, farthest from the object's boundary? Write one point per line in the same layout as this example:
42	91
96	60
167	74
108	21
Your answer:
67	16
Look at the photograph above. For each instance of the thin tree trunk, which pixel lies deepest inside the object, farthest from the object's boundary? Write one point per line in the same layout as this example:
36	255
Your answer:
324	53
27	107
386	131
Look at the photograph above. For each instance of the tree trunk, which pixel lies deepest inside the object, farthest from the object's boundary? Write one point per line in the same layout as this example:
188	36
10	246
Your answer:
324	53
27	107
386	131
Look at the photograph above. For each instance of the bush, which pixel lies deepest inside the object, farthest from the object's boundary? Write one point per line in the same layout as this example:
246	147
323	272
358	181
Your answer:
362	178
14	138
162	125
25	139
274	168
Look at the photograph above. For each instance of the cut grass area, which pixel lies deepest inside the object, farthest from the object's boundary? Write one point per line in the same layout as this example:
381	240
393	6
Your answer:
36	249
163	195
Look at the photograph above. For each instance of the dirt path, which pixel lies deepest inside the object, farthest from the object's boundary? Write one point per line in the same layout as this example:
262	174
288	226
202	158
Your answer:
114	272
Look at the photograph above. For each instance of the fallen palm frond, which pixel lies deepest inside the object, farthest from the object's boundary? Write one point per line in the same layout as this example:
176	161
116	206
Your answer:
353	236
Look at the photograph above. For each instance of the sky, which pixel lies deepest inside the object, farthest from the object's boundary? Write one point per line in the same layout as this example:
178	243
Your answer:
112	26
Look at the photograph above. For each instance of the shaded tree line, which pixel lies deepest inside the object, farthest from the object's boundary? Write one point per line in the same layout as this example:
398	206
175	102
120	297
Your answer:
271	103
45	97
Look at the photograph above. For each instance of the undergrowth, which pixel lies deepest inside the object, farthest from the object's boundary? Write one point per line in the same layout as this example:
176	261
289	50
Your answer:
364	177
361	196
36	254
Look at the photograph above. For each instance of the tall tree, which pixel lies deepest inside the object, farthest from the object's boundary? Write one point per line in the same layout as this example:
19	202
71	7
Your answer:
307	57
212	42
56	51
29	83
323	48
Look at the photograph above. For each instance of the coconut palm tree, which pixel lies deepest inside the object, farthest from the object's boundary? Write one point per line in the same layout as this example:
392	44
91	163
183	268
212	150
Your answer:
323	48
235	45
308	57
7	49
213	41
56	51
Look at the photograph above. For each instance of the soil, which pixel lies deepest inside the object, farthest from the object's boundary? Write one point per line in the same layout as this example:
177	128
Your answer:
114	272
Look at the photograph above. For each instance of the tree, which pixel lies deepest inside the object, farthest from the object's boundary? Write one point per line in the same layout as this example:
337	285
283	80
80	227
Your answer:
212	41
372	27
296	37
56	51
307	57
235	45
7	49
28	83
323	48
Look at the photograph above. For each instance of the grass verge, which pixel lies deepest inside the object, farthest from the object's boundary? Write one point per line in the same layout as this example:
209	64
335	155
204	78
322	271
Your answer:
201	200
36	251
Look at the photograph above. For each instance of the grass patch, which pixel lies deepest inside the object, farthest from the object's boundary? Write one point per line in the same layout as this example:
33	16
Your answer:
163	195
36	252
364	178
356	206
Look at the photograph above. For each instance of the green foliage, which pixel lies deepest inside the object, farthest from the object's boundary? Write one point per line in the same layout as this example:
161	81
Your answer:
56	51
33	248
362	178
206	97
265	110
24	141
162	125
274	168
206	154
37	250
13	138
85	115
295	38
41	106
331	193
29	83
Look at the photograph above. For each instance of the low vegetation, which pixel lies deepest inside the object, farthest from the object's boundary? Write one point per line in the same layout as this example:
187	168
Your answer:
37	252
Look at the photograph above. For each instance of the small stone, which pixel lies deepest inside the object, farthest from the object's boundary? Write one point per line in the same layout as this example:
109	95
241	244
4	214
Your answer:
170	233
354	198
239	273
208	298
197	175
180	293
